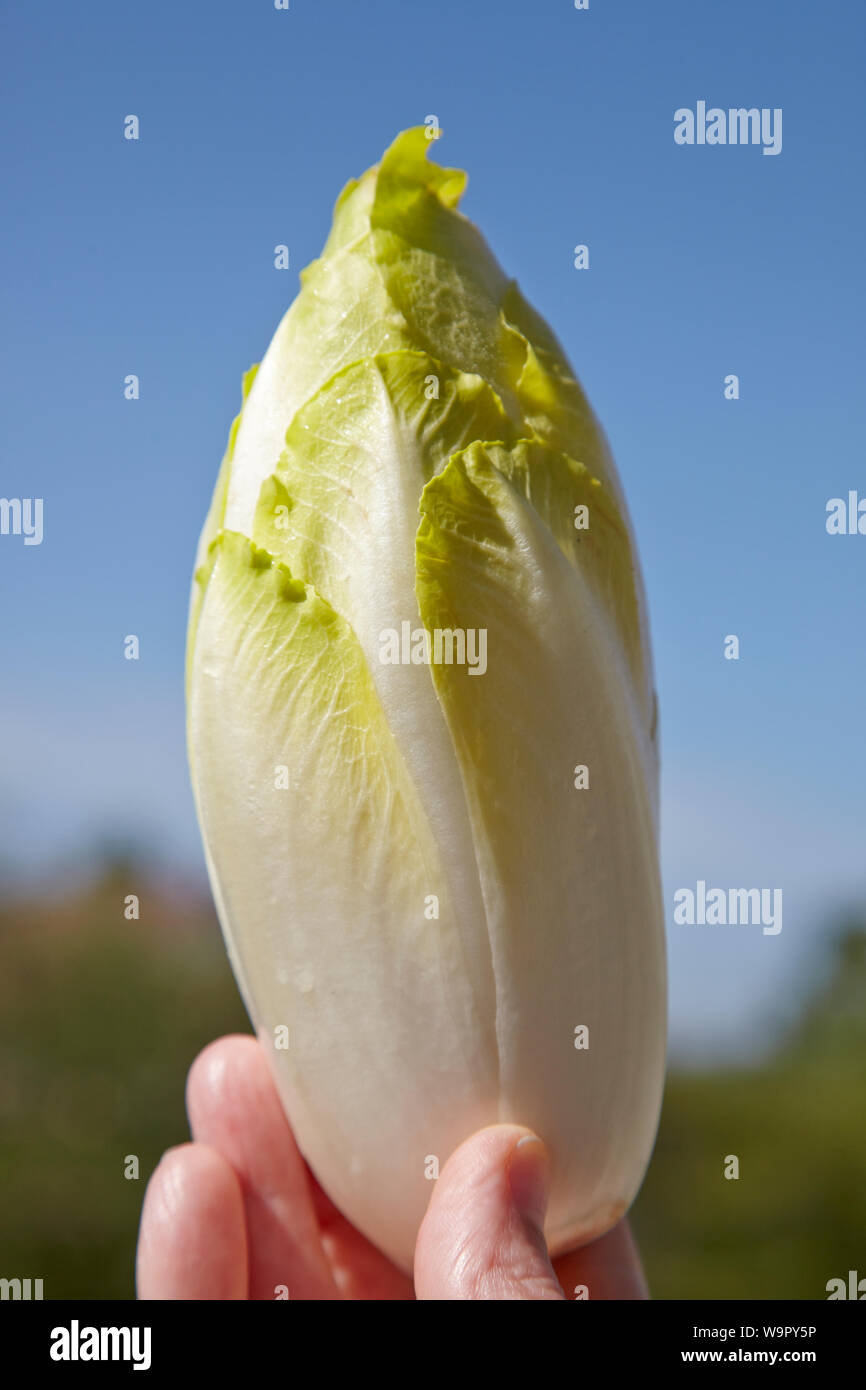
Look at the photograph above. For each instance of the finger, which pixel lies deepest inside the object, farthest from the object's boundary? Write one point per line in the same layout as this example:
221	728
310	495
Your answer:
360	1271
481	1236
609	1267
233	1106
192	1240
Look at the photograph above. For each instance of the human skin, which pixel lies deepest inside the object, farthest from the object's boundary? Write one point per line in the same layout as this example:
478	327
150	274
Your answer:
237	1213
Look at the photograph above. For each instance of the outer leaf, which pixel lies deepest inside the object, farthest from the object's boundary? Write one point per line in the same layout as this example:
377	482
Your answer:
279	680
569	877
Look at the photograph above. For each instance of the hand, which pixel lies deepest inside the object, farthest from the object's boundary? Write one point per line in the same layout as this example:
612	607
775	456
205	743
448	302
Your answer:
237	1213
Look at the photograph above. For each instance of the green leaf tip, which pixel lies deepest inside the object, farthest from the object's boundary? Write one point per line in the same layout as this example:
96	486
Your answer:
407	172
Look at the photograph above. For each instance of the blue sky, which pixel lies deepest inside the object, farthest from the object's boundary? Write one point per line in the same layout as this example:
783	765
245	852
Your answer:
156	257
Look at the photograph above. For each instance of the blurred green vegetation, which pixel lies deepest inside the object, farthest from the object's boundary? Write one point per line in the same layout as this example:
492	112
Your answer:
796	1216
101	1016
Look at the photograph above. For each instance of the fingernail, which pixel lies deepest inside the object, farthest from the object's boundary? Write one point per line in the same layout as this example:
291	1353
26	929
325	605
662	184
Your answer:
528	1178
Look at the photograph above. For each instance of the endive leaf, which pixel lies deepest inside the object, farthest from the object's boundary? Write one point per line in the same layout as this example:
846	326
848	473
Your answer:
214	521
341	511
404	269
573	911
341	507
290	747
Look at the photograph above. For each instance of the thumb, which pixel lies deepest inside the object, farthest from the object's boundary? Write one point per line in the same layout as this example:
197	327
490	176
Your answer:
482	1234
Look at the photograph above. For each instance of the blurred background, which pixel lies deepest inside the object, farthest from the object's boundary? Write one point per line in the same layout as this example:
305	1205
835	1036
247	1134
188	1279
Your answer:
156	257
